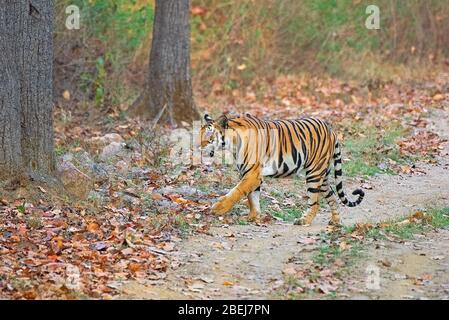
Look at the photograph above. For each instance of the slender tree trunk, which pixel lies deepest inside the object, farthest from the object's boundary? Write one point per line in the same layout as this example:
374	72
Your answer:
26	58
167	96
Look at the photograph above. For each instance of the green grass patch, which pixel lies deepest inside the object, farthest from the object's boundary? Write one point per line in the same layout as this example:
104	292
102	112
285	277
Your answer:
327	254
60	150
288	215
372	153
440	218
243	222
403	228
374	233
435	218
406	231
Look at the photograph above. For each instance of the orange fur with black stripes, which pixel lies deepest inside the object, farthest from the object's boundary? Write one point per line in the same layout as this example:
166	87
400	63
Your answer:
279	148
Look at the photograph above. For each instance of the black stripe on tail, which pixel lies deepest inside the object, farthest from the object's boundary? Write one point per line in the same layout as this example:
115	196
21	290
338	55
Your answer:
339	181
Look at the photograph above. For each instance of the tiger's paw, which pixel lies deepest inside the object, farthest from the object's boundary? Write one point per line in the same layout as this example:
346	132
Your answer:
221	207
335	221
303	221
252	216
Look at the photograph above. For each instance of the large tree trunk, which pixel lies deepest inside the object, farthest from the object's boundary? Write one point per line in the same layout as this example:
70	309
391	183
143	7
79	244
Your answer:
167	96
26	59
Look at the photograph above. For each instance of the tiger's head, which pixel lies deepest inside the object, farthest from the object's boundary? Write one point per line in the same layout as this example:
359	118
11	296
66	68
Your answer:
212	134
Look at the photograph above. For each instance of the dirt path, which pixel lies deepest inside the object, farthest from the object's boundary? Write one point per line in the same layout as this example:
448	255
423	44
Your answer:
414	269
246	261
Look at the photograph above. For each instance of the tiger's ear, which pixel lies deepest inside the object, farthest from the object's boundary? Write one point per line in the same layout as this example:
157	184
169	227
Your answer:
223	121
208	119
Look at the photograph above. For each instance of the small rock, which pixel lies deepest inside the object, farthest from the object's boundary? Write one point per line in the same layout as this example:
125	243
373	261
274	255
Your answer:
111	150
164	203
367	186
306	240
399	276
96	171
99	246
206	279
122	166
183	190
67	157
112	137
127	251
326	288
196	287
137	172
75	182
83	159
106	139
385	263
99	173
278	284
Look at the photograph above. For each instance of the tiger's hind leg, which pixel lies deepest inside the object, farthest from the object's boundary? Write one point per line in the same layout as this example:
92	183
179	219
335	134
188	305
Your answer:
254	204
313	183
329	195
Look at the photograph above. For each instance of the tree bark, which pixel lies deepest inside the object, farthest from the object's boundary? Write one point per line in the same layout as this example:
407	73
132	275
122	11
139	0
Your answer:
167	95
26	107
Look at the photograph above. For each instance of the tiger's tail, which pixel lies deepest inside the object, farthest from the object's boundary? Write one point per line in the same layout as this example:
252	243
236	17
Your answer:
339	181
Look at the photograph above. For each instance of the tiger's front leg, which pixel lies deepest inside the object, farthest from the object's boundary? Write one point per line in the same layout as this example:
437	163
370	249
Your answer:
250	182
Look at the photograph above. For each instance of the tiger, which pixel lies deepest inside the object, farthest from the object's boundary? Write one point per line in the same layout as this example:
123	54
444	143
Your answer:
278	148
